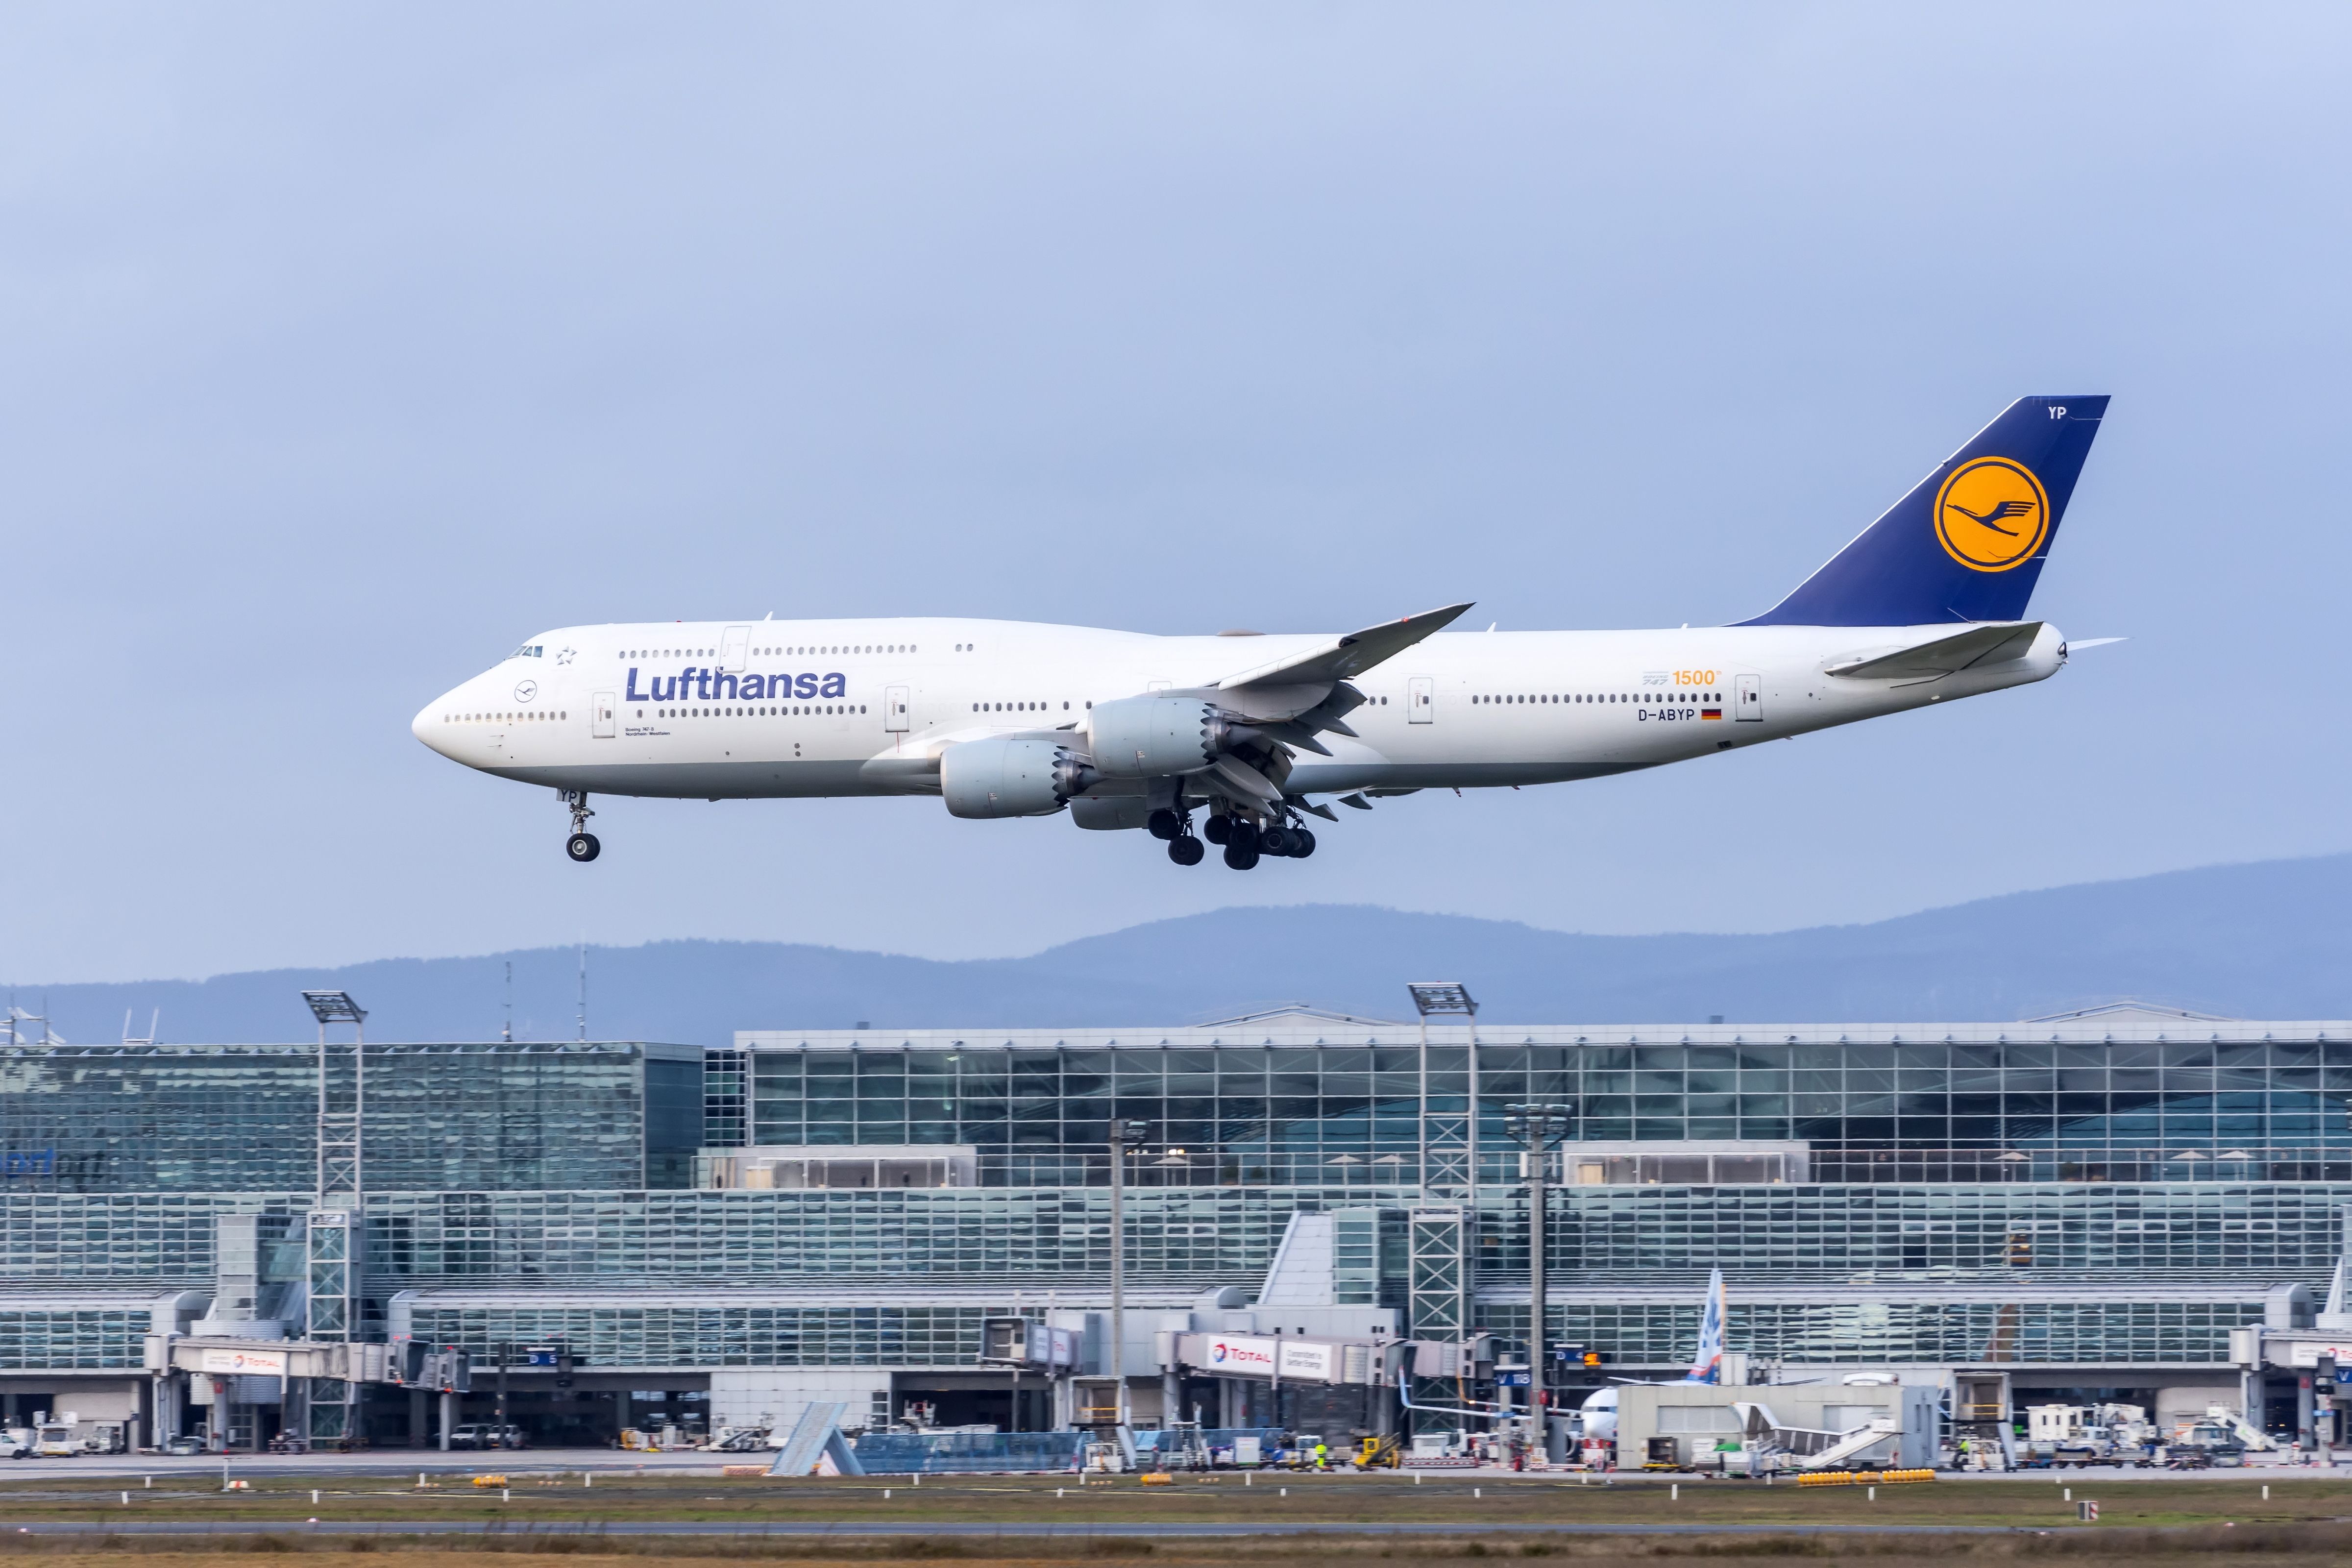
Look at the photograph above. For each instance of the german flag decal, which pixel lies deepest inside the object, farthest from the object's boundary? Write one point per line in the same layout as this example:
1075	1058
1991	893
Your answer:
1710	712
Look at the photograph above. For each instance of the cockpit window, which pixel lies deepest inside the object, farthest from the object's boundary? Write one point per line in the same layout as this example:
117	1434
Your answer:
529	650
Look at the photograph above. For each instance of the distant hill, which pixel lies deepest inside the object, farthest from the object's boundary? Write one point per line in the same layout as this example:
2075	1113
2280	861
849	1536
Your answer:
2268	939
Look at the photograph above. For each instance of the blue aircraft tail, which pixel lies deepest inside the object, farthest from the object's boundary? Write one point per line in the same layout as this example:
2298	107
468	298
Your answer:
1706	1366
1969	541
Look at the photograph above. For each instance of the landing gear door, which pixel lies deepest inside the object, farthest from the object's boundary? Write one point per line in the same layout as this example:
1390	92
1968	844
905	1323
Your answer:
602	720
731	650
1420	699
895	703
1747	697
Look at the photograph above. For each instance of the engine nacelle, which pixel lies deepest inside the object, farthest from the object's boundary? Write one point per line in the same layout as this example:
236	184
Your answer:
1012	776
1154	737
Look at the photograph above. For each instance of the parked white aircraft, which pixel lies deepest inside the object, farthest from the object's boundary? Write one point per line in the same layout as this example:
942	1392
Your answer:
1006	719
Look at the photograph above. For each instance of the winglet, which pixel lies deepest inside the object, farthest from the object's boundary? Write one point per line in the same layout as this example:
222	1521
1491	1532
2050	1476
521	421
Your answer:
1351	654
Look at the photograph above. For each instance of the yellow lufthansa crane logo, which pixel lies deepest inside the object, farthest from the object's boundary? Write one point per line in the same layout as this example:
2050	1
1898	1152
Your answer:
1992	514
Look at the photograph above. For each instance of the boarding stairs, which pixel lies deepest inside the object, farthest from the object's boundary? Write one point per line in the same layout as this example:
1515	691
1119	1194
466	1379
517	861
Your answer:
1812	1448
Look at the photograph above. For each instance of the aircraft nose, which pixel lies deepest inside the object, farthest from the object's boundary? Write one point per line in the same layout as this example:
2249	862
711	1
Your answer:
430	726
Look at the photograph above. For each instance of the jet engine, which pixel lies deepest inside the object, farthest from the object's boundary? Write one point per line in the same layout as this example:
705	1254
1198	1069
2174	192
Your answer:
1012	776
1154	737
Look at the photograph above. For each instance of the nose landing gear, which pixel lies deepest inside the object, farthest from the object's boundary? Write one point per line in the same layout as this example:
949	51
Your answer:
582	846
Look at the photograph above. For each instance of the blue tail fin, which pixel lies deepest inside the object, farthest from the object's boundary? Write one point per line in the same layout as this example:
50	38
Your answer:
1969	541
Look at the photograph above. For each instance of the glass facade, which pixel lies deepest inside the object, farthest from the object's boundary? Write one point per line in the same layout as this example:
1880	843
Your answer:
684	1336
2077	1198
225	1118
658	1337
72	1339
1248	1107
1949	1332
2254	1234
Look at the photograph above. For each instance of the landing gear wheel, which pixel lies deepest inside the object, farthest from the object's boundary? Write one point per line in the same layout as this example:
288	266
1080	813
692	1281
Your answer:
1274	841
582	846
1302	843
1241	854
1165	824
1218	830
1187	850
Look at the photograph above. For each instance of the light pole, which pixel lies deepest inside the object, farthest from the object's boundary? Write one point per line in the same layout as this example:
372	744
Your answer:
335	1232
1124	1135
1539	1130
1449	997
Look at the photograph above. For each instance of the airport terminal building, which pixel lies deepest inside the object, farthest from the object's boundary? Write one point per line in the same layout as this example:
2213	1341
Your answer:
2094	1207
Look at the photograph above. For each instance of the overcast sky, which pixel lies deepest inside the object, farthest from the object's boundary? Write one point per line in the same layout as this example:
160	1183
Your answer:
343	346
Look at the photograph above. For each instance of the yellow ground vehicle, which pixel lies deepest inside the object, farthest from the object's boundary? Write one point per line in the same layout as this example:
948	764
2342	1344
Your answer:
1377	1454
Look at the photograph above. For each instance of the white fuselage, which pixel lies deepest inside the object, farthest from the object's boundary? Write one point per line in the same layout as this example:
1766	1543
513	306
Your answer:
854	708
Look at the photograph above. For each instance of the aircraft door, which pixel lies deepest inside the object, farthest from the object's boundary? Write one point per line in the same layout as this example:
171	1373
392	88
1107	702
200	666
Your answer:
731	650
895	703
1747	697
1420	699
603	708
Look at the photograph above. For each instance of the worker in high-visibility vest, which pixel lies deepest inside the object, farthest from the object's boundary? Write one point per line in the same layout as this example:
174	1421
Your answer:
1322	1455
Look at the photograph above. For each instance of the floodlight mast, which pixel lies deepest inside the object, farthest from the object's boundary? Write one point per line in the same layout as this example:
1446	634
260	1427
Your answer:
340	1116
1449	999
335	1240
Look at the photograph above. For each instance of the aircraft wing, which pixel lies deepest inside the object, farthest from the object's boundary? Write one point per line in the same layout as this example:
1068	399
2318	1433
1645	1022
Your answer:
1343	657
1945	656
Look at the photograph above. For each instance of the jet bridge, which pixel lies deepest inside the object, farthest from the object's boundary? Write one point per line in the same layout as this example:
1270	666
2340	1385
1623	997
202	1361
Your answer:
1282	1357
221	1355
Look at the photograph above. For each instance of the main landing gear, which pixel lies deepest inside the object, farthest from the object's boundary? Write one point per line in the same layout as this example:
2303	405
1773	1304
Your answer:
582	846
1176	827
1244	841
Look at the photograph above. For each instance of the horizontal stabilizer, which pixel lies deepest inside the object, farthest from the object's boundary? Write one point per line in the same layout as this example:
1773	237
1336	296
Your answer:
1946	656
1351	654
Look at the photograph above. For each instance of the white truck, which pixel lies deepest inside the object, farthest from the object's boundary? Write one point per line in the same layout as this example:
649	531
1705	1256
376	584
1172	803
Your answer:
2061	1435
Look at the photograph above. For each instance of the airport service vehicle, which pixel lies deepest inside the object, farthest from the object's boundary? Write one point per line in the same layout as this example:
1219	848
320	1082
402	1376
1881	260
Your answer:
740	1440
1123	730
185	1445
16	1442
2223	1427
2082	1435
486	1434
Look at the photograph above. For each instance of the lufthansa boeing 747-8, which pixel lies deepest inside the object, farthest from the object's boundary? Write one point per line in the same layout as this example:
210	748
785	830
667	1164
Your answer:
1001	718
